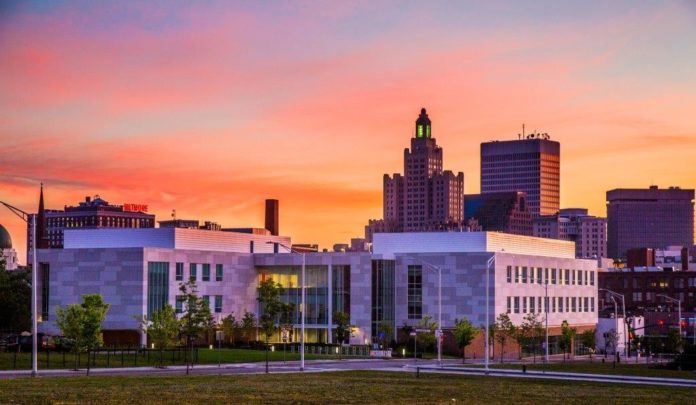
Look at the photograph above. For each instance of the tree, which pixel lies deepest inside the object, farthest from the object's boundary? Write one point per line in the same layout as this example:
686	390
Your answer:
15	299
385	333
505	330
343	328
464	334
611	340
230	327
533	331
269	298
566	338
248	325
588	340
427	340
195	318
82	323
162	328
675	343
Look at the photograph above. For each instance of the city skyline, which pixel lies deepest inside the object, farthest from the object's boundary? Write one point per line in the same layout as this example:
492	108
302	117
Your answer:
211	110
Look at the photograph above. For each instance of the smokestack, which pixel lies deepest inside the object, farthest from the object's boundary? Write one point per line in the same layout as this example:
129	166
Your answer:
272	216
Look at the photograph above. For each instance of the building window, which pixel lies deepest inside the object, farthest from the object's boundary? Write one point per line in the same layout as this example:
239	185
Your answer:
179	272
517	304
218	272
637	297
587	302
560	304
538	275
592	304
45	285
206	272
192	272
179	304
532	308
553	276
218	304
524	275
509	274
567	277
509	305
573	281
592	277
517	274
206	299
553	304
157	286
573	303
546	275
415	292
524	305
251	246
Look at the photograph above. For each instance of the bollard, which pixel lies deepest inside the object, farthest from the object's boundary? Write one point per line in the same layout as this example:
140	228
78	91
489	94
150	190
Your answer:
524	368
417	372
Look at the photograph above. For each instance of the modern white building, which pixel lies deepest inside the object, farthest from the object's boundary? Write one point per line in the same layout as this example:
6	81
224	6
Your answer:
139	270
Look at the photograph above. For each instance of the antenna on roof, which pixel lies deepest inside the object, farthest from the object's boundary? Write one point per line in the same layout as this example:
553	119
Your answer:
523	130
174	215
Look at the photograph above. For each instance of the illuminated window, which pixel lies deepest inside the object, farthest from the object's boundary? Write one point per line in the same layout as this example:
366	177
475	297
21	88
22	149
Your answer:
420	131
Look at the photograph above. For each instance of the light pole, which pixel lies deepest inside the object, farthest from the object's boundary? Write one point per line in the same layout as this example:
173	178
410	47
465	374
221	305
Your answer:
34	347
439	309
489	263
302	304
623	304
546	312
668	298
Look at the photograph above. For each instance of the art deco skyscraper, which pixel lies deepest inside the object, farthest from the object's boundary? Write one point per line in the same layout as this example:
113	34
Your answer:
425	197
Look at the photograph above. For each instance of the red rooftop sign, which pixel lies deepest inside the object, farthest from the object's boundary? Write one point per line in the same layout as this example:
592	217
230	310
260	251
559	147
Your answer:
135	207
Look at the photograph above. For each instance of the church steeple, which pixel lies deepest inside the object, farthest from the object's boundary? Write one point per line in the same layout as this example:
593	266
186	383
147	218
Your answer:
41	235
423	125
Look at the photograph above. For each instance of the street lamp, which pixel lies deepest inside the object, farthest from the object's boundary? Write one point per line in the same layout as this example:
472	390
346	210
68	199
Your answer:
489	264
438	332
668	298
34	348
546	312
302	303
623	304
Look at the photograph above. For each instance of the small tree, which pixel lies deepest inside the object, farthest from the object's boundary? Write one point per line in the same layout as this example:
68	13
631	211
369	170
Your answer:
343	328
566	339
385	333
195	319
272	307
248	325
427	340
230	327
588	340
505	330
464	334
82	323
533	331
162	328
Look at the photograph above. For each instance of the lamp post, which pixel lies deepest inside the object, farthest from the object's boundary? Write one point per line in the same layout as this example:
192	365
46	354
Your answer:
439	309
623	304
546	313
489	264
668	298
34	347
302	304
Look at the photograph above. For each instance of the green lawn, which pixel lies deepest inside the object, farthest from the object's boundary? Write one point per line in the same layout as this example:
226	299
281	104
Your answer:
597	367
151	358
335	387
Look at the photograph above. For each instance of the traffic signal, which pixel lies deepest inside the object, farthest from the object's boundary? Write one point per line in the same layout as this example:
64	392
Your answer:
660	322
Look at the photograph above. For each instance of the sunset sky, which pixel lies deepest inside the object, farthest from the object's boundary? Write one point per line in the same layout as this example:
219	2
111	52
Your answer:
209	109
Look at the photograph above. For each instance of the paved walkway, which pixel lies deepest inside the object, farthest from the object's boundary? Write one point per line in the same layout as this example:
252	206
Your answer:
316	366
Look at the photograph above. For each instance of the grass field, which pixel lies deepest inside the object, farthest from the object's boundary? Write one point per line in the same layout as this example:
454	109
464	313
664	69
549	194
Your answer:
597	367
128	359
335	387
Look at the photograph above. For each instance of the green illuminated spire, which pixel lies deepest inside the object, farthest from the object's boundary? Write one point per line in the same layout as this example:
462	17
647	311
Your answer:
423	125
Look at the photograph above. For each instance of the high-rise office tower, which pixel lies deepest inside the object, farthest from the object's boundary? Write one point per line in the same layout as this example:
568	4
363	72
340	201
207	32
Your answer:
425	197
649	218
531	164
